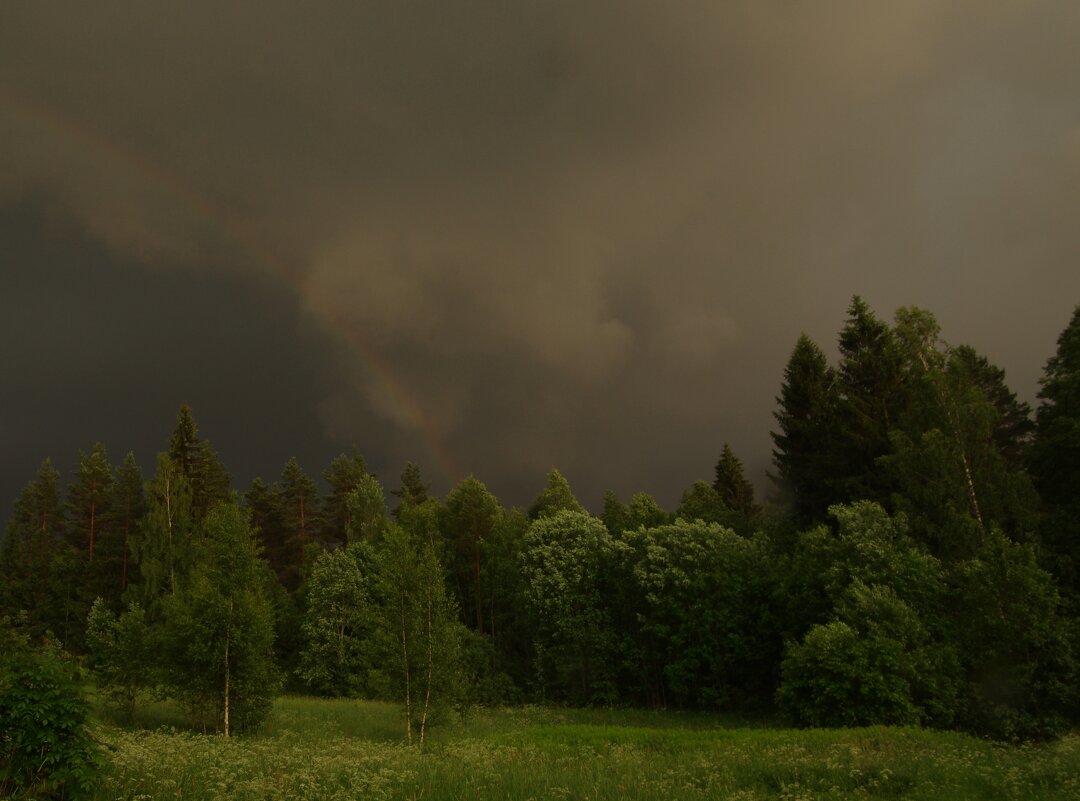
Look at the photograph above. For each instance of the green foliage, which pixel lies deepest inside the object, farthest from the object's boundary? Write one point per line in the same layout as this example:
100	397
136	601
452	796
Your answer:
871	386
341	750
32	545
644	512
219	630
875	650
129	506
564	563
417	633
367	511
123	651
731	485
693	588
343	476
1055	458
555	498
334	660
88	500
1015	643
297	503
413	490
469	520
46	748
198	464
875	664
804	451
164	545
702	502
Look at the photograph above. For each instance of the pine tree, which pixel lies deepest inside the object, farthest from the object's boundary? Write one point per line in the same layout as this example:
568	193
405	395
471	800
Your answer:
32	542
88	499
299	504
129	506
469	519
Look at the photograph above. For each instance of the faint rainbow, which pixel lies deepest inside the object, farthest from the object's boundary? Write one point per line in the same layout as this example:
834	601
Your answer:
238	233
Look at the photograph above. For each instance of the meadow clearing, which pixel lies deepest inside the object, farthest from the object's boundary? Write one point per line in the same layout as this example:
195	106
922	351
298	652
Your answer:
313	749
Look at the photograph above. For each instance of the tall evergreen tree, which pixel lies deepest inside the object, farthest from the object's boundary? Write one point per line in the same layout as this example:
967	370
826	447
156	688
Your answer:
615	515
556	497
267	522
198	464
871	399
299	504
803	445
413	490
129	506
32	542
470	517
88	499
948	469
343	477
735	491
1014	428
1055	456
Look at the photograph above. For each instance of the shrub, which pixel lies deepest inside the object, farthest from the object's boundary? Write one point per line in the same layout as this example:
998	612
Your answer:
46	749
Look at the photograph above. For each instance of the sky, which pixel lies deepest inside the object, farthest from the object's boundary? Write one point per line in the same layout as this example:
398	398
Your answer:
496	237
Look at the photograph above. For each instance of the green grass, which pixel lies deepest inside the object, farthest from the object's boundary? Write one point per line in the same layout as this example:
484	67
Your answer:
316	749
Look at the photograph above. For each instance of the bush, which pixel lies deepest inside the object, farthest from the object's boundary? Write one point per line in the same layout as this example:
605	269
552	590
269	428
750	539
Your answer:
46	749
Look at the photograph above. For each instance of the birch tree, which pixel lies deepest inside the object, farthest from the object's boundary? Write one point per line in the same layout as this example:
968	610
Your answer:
418	636
220	631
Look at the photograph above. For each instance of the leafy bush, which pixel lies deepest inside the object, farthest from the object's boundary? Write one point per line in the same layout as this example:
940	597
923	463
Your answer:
46	749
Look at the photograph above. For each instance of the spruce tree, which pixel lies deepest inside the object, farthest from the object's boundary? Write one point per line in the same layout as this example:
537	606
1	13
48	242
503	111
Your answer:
1055	456
556	497
803	445
413	490
870	402
198	464
735	491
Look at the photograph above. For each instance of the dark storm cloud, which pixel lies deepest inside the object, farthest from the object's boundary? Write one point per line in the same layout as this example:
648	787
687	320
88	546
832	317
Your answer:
581	234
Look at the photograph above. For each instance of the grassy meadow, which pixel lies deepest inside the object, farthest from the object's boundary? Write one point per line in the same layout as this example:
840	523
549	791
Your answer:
316	749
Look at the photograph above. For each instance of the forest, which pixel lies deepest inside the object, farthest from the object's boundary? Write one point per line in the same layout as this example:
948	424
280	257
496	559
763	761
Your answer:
917	562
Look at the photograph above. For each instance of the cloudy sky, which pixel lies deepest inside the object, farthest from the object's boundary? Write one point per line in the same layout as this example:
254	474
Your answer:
496	237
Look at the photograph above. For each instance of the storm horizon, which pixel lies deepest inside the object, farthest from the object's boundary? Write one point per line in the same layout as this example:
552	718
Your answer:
496	240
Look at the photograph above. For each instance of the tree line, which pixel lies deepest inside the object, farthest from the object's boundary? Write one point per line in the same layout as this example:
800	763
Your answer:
919	563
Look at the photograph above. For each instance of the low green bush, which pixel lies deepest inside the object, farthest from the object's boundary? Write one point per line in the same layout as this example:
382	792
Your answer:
46	749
